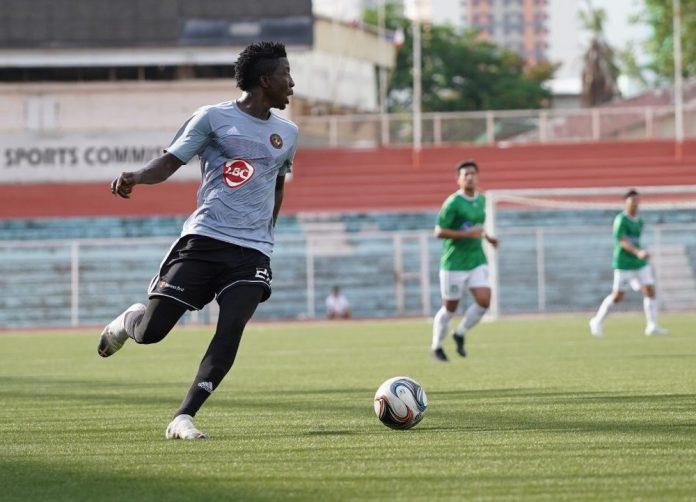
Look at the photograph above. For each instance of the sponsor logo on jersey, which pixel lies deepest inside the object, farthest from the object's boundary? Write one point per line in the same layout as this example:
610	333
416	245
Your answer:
232	131
237	172
276	141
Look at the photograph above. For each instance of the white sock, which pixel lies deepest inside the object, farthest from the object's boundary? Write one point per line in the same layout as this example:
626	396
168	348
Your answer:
441	324
461	330
471	318
607	303
650	309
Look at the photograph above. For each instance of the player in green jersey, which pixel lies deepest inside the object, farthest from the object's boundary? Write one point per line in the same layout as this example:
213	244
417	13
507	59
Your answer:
631	267
463	263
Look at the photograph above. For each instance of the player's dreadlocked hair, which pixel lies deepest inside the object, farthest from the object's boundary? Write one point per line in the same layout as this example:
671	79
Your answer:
256	60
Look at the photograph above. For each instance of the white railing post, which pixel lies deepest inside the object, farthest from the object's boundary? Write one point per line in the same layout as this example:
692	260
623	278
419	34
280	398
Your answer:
424	273
595	124
399	274
437	129
384	121
311	296
492	256
333	131
490	127
649	123
543	126
74	283
541	272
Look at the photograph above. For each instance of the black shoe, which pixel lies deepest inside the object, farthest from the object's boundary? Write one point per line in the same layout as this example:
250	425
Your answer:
440	355
459	340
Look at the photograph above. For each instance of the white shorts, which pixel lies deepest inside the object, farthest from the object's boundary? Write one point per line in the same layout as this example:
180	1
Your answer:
453	283
633	278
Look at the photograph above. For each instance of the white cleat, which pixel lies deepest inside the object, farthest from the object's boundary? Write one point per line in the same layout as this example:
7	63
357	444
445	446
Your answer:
655	330
182	428
596	327
114	334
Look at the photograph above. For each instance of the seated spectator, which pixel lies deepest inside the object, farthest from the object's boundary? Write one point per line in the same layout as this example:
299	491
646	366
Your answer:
337	305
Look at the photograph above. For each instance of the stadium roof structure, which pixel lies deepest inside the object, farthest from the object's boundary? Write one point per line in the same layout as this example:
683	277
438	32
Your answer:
73	32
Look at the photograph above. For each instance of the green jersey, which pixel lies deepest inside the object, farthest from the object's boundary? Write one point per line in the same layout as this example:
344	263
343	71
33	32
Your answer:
630	228
460	212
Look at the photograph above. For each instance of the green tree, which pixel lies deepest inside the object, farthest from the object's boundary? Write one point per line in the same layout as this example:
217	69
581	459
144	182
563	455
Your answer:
461	72
599	69
659	47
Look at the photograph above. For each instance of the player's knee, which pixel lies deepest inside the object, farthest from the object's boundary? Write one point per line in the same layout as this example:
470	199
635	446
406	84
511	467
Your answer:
484	303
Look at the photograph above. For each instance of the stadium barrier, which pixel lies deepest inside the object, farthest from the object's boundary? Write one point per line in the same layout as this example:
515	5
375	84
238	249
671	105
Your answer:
543	268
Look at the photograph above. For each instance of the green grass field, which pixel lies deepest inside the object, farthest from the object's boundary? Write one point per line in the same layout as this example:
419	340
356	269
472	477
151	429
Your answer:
540	410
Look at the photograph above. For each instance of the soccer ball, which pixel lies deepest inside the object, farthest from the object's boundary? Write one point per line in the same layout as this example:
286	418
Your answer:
400	402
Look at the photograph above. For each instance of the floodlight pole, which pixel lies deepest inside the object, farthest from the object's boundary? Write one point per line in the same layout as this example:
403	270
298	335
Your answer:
381	15
417	122
678	80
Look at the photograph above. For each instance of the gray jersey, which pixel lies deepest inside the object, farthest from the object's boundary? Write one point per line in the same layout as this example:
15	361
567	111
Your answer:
241	157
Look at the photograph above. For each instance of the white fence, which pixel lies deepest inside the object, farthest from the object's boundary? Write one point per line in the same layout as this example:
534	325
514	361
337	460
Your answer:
493	126
384	274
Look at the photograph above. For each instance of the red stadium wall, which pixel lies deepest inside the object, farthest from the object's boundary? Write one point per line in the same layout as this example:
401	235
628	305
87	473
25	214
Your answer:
386	179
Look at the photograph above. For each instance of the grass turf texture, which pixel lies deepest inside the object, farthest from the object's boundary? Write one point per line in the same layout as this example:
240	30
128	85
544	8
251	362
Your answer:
540	410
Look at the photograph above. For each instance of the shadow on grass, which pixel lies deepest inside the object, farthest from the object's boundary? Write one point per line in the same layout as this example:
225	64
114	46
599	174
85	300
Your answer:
23	481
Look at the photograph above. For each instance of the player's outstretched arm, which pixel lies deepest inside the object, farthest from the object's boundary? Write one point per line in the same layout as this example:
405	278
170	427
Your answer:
156	171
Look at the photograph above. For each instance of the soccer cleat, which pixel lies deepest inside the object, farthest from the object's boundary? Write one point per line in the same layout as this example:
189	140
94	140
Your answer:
596	327
655	330
114	335
459	340
182	428
440	355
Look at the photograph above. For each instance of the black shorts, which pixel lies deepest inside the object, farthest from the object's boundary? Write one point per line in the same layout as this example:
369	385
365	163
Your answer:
198	269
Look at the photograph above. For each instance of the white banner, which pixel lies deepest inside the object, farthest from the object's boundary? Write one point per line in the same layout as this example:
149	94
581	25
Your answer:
28	158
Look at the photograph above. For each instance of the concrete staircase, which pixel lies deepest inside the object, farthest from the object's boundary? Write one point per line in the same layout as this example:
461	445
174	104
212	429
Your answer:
676	282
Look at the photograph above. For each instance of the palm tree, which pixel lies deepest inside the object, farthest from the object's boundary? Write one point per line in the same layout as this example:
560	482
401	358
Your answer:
599	71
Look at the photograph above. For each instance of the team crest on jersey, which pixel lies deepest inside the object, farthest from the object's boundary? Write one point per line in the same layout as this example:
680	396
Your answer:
237	172
276	141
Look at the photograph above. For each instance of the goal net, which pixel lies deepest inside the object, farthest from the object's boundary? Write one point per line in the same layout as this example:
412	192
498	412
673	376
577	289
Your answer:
556	247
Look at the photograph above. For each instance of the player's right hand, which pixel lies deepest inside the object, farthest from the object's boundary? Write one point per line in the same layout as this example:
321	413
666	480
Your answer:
123	185
643	254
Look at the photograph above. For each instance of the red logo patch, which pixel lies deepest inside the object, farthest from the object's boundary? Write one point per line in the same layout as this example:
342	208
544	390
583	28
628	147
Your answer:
237	172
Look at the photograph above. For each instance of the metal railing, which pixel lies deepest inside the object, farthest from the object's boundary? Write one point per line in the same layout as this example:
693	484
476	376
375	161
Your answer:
383	274
494	127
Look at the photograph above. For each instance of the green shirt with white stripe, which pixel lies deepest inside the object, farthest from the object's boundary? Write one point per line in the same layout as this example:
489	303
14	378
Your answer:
460	212
630	228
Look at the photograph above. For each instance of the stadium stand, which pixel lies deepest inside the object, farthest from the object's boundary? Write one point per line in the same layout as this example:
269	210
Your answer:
386	179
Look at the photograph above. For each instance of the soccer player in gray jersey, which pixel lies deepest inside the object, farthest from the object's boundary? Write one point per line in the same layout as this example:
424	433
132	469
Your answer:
225	246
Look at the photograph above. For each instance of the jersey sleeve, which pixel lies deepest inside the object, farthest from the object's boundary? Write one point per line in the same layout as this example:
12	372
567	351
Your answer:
446	216
192	138
290	159
619	227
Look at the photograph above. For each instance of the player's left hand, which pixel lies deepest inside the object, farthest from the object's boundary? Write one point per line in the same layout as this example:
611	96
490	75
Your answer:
492	240
123	185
